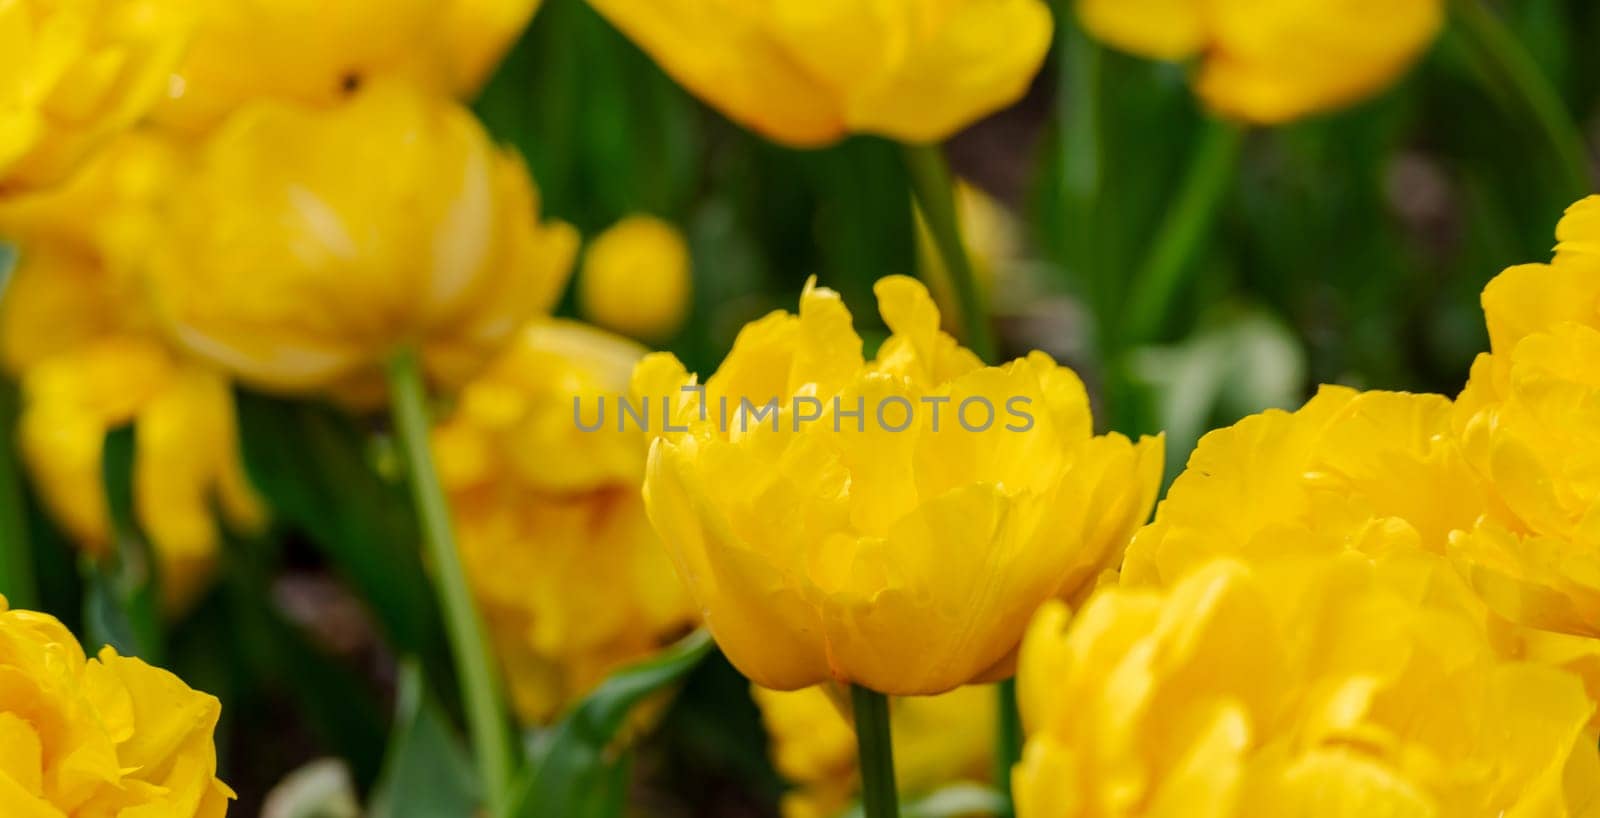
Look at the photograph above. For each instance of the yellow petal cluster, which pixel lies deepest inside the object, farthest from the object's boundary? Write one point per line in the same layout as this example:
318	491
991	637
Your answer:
549	518
74	73
636	280
77	331
1346	467
938	741
1273	62
108	737
1308	685
1529	421
311	244
824	545
318	53
1350	472
807	72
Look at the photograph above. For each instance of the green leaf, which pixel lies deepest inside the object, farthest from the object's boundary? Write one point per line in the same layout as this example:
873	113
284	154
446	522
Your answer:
319	789
426	773
311	464
1242	365
578	773
122	602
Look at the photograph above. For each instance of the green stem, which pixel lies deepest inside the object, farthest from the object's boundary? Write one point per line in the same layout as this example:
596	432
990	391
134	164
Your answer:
1504	60
1008	741
486	716
933	188
16	548
1191	217
879	798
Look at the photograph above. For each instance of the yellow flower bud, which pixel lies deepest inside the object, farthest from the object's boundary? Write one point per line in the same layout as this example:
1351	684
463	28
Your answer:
1322	686
636	280
1529	421
319	53
74	73
889	523
807	72
938	741
99	737
310	245
549	518
1273	62
75	329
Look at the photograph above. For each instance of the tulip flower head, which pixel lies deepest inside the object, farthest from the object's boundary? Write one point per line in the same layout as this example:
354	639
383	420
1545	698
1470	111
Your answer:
1305	685
888	523
938	740
1347	467
82	339
73	74
636	280
311	244
1274	62
549	519
99	737
318	53
1529	421
807	73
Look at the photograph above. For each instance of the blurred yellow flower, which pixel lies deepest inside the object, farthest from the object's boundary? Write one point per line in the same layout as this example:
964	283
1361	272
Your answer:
889	523
1324	686
549	518
109	736
636	280
73	73
807	73
1273	62
78	333
1349	470
938	741
310	245
1529	421
319	53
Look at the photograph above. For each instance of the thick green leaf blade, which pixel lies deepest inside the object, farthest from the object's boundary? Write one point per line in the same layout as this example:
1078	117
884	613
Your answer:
122	600
577	774
426	773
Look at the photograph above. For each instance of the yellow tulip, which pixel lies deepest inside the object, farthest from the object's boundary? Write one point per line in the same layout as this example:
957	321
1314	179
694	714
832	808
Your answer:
823	544
1315	686
74	73
319	53
807	72
75	329
1349	470
1529	421
108	736
549	518
1371	473
1273	62
310	245
938	741
636	280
